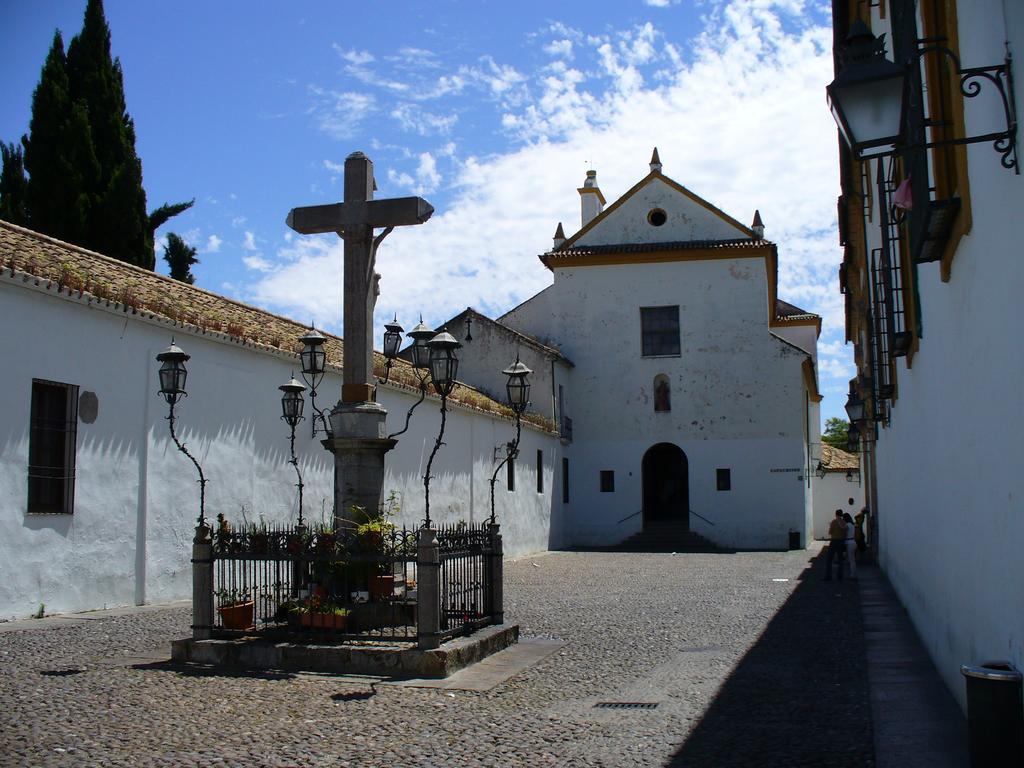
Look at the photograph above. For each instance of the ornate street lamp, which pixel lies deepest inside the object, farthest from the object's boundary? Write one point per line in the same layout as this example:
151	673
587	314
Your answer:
871	97
853	439
517	388
291	412
172	386
420	336
867	96
855	409
314	364
444	365
420	354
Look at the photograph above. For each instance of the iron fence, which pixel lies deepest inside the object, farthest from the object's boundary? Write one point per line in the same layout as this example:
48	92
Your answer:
466	582
358	583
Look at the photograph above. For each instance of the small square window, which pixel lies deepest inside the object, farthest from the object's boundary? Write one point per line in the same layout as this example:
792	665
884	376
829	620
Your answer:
607	481
540	471
724	477
53	423
659	330
565	480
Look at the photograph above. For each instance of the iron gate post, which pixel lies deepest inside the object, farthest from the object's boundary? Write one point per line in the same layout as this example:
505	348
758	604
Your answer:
202	583
497	575
428	592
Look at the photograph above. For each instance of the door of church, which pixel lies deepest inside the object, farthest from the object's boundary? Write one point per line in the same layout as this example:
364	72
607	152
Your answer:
666	480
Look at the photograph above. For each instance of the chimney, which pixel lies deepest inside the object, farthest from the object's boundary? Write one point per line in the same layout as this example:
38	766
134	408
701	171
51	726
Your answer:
591	200
655	162
559	237
758	226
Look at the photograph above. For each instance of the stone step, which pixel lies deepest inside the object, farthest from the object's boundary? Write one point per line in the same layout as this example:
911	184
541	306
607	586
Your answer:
667	538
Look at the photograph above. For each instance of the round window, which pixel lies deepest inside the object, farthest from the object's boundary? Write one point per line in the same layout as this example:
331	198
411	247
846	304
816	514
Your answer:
656	217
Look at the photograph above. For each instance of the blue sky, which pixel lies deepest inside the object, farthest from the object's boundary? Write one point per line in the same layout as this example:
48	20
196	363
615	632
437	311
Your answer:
493	111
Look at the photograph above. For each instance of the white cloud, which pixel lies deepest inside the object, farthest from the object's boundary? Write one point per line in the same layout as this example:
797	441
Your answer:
334	167
249	241
258	263
561	48
338	114
660	3
740	120
411	117
353	56
212	244
238	221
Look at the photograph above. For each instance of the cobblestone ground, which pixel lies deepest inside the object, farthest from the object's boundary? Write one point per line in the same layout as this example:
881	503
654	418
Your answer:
752	660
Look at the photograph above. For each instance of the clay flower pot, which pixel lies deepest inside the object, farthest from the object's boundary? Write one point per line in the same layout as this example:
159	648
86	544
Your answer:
238	616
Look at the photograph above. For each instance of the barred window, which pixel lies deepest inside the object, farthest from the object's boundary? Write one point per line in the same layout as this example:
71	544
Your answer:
659	328
51	447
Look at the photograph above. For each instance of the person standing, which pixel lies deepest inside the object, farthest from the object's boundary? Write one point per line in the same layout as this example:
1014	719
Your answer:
851	545
836	545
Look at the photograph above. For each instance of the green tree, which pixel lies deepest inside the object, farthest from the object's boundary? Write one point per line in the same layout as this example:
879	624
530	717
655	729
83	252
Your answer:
84	177
13	185
836	432
180	257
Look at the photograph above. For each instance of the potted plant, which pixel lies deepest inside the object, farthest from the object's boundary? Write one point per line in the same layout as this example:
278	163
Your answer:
322	614
236	609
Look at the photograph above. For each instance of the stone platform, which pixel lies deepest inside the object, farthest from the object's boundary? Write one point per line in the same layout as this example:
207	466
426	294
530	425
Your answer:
393	660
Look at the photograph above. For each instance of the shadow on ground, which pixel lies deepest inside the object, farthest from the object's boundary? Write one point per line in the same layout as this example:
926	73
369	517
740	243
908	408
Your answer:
800	695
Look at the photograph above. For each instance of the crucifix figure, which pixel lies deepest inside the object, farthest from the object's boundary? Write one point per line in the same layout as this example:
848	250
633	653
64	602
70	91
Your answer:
357	422
354	220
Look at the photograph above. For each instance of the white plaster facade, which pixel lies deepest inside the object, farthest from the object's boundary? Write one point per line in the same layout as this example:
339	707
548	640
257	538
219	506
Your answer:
128	540
739	392
945	470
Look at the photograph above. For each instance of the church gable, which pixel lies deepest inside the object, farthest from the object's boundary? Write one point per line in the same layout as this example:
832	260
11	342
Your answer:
659	210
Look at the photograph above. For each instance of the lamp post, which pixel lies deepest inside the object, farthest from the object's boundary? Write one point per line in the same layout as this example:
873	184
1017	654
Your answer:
420	335
854	408
314	364
867	96
871	97
291	412
517	390
172	386
444	365
392	341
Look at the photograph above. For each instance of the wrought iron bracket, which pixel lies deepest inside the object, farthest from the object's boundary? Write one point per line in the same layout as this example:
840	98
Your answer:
972	80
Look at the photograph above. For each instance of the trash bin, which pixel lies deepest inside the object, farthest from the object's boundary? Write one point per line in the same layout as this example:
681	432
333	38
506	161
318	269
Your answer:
995	720
794	539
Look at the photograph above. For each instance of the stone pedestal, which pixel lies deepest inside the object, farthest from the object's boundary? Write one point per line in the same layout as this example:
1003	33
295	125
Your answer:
202	584
358	446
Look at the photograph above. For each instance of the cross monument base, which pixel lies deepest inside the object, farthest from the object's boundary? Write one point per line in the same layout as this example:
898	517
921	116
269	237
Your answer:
358	446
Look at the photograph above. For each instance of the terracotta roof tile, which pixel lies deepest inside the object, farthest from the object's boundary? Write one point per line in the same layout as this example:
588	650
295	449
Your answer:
82	271
836	460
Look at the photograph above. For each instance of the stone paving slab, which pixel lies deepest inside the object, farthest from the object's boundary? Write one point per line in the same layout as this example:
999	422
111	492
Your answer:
745	671
494	670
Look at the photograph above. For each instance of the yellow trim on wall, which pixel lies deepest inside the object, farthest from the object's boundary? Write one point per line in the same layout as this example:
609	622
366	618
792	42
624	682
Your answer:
807	368
948	164
559	260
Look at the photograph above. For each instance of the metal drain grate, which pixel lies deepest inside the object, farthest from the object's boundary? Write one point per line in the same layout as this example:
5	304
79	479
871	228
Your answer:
626	705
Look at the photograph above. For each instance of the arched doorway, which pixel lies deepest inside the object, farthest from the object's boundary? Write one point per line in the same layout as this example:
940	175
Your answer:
666	479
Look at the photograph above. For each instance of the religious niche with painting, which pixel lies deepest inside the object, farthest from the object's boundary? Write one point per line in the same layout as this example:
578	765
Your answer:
662	394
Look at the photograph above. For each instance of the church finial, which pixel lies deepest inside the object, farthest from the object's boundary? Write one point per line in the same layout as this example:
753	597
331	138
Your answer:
559	236
655	161
758	226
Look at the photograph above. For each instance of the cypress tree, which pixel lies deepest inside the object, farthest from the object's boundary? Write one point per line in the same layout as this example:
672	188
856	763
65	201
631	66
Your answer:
58	155
180	257
13	185
85	179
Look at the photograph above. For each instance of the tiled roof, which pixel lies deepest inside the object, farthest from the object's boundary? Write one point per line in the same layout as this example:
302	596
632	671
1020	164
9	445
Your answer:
836	460
786	311
67	267
740	243
537	344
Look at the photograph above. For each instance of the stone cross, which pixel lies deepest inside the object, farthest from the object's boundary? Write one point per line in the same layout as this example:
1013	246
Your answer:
354	221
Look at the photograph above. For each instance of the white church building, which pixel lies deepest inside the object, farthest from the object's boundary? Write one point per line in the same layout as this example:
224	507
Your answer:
674	393
684	388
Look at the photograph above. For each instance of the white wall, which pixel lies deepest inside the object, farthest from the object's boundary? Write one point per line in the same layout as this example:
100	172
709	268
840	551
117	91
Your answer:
738	398
950	486
832	492
686	220
136	496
